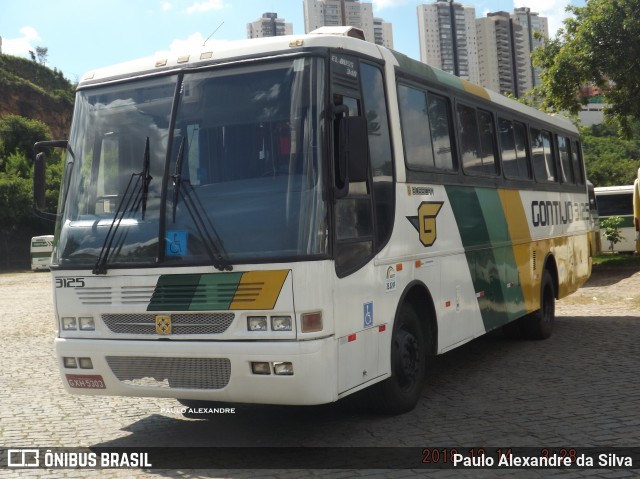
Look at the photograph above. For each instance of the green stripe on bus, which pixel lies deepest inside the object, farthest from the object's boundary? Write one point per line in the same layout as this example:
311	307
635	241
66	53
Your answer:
194	292
485	236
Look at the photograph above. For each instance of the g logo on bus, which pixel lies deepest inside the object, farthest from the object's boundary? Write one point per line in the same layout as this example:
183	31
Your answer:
163	325
425	222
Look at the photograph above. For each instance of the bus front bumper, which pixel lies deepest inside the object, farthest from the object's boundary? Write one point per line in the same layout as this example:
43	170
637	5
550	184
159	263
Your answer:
210	371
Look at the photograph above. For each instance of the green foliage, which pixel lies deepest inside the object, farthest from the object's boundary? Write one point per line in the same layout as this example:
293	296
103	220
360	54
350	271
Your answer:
607	261
15	202
610	160
600	46
18	72
18	134
16	164
610	228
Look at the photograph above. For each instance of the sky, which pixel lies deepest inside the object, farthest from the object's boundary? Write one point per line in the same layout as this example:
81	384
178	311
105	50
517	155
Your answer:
82	35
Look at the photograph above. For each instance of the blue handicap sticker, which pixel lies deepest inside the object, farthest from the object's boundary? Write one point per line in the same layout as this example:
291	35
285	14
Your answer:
368	314
176	243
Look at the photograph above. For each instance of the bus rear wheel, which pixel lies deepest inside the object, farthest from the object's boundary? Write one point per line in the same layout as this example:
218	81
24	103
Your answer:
539	324
400	393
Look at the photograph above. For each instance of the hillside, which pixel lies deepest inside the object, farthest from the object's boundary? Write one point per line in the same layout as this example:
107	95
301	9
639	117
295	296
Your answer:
32	90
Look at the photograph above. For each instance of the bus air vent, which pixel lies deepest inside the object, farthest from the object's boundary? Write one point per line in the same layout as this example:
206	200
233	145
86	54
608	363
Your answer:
182	373
145	323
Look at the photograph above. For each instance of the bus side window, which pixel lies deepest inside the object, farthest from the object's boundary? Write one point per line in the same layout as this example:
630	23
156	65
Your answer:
513	147
425	129
544	166
476	141
576	161
565	159
522	152
375	107
416	134
439	123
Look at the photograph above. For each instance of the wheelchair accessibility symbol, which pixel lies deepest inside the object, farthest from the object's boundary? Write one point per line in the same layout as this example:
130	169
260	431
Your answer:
176	243
368	314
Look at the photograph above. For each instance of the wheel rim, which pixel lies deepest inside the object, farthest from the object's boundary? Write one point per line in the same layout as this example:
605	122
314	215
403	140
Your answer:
407	359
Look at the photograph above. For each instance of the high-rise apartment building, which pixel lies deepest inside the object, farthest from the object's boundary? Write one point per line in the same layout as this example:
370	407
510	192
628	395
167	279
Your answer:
447	35
533	23
494	51
319	13
269	25
383	32
504	59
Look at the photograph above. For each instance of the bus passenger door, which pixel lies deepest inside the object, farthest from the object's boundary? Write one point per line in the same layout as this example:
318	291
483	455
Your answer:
363	216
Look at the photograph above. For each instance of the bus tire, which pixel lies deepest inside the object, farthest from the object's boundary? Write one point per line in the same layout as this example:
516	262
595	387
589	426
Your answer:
400	392
539	324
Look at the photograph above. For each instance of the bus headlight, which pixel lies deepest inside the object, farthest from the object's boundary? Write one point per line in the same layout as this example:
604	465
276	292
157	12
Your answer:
257	323
283	369
260	368
69	324
87	324
69	362
85	363
281	323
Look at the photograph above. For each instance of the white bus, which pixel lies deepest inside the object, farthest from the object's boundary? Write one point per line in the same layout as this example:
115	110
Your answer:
617	201
41	248
291	220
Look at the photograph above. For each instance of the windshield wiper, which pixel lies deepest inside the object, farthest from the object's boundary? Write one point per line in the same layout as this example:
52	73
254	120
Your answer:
134	200
177	175
146	177
206	230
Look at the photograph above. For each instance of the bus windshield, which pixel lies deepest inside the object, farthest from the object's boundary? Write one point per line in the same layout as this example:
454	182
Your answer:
217	166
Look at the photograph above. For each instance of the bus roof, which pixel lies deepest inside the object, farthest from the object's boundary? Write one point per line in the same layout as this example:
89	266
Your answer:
324	37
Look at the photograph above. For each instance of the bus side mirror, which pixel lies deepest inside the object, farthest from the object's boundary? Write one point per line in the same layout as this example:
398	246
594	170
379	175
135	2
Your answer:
353	153
39	175
39	181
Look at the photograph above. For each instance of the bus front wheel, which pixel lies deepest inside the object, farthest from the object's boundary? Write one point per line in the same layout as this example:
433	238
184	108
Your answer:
400	393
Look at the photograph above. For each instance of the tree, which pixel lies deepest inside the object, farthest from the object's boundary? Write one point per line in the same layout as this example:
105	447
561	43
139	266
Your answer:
610	160
42	53
610	228
599	46
18	134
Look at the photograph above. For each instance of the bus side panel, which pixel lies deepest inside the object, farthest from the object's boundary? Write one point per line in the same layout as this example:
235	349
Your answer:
426	248
486	236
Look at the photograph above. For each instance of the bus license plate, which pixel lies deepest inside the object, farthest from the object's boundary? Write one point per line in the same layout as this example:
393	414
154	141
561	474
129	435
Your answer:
84	381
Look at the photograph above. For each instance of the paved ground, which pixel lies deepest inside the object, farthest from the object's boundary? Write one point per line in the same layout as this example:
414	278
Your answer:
578	389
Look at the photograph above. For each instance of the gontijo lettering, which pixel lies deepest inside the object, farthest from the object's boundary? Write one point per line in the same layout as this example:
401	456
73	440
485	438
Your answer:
549	213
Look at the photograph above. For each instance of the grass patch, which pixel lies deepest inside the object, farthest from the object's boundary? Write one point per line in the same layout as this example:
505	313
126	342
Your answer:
617	260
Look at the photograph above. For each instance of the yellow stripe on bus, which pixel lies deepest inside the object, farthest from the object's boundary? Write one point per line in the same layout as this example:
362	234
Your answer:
259	289
522	246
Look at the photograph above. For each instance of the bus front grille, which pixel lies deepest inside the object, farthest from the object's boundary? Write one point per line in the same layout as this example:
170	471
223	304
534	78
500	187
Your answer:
180	373
196	323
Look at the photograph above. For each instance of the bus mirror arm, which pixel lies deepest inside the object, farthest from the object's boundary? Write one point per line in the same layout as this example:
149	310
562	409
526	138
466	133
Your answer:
39	175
